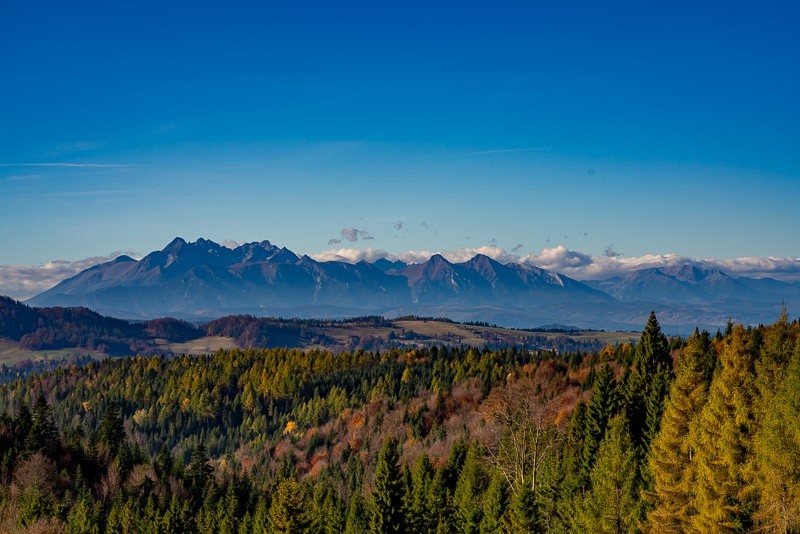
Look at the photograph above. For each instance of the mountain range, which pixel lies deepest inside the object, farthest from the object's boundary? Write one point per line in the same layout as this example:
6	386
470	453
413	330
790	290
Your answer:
203	279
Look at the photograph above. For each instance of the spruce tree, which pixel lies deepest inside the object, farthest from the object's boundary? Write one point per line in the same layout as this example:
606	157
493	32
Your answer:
420	516
523	516
467	498
647	384
198	473
43	434
112	432
387	492
356	522
602	407
611	504
495	503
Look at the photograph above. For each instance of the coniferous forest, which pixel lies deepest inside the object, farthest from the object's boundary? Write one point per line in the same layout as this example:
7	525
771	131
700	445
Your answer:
668	435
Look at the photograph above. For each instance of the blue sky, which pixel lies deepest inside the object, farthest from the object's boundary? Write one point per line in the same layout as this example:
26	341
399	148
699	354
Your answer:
657	128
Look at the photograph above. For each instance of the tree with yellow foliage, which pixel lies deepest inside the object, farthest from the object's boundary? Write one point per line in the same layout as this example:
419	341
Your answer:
723	437
671	453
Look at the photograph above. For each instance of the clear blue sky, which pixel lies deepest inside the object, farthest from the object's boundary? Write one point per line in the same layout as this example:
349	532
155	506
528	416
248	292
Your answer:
653	127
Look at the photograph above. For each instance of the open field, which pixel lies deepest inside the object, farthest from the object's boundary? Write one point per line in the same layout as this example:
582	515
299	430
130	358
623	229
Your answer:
427	332
203	345
11	353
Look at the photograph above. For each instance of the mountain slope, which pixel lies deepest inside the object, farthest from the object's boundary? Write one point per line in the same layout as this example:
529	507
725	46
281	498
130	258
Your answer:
204	278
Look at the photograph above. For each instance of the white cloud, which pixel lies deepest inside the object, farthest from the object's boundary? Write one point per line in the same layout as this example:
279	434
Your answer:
559	259
352	255
584	266
23	281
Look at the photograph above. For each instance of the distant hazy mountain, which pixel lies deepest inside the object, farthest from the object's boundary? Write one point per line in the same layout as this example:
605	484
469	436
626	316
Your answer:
204	279
690	284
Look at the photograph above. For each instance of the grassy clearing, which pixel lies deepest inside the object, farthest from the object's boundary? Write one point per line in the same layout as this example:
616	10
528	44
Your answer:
203	345
11	353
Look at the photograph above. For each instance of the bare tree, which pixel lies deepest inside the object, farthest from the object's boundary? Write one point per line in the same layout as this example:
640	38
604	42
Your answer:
524	431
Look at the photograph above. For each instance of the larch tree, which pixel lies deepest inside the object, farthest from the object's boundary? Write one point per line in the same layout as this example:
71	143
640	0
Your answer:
723	437
287	513
671	452
777	456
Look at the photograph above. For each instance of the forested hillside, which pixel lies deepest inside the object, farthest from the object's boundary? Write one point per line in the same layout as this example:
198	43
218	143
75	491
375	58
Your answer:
665	436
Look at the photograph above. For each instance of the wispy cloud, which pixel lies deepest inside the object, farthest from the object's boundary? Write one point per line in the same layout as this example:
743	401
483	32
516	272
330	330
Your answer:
72	165
507	150
90	193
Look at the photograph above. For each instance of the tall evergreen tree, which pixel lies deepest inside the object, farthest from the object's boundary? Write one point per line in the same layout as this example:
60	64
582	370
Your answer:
777	453
495	503
356	522
421	516
112	432
611	504
43	434
523	513
287	513
671	452
602	407
467	498
198	473
387	492
647	384
723	434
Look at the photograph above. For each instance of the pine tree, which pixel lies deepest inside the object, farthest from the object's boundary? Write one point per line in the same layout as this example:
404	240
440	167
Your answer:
723	435
611	504
671	452
387	493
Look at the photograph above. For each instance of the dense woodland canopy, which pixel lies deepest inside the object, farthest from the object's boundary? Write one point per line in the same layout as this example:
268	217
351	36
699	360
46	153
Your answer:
701	434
